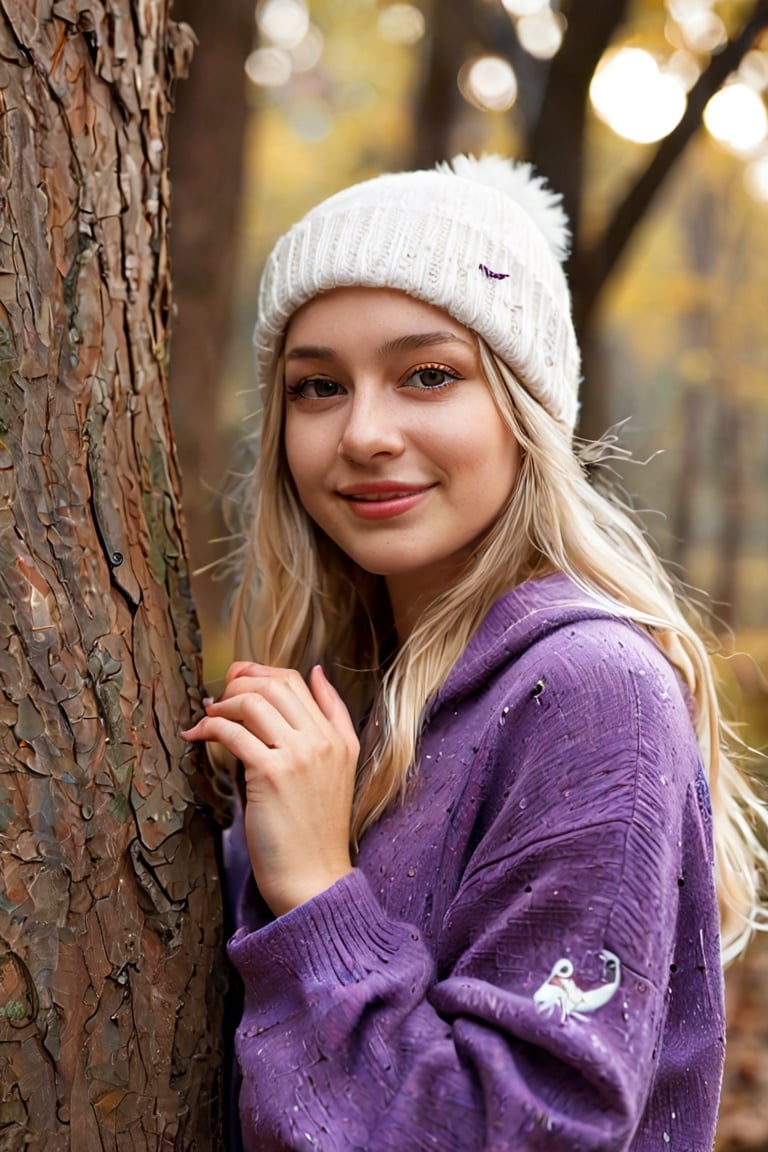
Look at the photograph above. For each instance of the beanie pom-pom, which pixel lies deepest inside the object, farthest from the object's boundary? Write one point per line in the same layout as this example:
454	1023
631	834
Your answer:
522	184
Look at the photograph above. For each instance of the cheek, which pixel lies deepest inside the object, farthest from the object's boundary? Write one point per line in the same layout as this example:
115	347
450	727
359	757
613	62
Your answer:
500	453
508	461
487	465
300	453
308	467
291	453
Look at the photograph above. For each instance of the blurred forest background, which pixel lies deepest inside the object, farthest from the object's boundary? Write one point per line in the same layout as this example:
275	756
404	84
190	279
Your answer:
650	117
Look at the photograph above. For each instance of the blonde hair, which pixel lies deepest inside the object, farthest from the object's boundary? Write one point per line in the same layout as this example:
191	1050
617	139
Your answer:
301	601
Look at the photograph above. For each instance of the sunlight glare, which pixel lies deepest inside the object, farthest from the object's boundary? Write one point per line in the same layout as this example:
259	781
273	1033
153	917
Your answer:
736	118
634	97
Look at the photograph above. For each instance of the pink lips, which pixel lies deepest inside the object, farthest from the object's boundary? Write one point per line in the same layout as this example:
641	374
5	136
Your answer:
381	500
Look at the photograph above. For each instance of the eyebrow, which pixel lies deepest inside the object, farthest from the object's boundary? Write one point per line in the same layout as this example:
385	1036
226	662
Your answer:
422	340
399	344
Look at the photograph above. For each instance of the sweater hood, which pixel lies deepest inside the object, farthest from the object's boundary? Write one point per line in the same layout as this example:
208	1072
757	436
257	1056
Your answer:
515	623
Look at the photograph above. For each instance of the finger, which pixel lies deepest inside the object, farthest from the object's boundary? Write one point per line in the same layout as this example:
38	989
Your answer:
238	687
283	687
238	741
242	668
258	714
252	668
330	703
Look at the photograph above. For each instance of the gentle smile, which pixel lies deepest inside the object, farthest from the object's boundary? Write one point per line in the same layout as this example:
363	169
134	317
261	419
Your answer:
395	494
377	502
381	490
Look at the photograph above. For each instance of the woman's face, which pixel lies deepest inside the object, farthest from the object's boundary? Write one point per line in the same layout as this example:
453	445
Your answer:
396	447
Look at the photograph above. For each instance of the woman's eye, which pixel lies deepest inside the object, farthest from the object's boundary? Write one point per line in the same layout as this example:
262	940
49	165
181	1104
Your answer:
315	388
431	378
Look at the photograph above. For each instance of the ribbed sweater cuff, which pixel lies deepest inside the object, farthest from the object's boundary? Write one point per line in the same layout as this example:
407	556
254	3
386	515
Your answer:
341	934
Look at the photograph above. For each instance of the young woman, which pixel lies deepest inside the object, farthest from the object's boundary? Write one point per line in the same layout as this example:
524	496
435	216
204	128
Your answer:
479	740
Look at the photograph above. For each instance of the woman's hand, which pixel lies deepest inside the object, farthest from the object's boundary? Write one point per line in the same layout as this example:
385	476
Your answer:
299	750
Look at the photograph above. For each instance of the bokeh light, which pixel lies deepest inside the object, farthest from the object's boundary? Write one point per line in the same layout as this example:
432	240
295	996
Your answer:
401	24
525	7
634	97
753	70
736	118
489	83
311	119
541	34
283	22
268	67
684	10
756	179
308	52
704	32
685	67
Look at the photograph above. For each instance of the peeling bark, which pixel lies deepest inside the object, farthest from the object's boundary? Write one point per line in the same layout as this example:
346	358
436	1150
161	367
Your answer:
110	909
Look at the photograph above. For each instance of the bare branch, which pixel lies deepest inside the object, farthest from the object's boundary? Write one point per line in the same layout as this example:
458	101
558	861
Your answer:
592	268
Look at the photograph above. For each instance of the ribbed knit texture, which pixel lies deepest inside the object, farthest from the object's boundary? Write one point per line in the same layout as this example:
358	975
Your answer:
459	244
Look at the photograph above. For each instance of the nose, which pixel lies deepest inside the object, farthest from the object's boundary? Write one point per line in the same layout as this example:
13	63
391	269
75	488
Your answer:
372	427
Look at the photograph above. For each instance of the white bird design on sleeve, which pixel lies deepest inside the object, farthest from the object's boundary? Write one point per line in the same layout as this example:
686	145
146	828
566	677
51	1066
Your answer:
560	994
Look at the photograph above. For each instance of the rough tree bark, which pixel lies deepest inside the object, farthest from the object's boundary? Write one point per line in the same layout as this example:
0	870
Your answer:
110	910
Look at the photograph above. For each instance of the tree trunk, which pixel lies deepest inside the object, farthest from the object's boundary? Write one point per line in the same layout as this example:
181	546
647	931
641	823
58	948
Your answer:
110	910
437	100
557	141
206	160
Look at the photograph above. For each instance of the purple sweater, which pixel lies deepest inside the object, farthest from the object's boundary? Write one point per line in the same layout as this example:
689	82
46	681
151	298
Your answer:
527	953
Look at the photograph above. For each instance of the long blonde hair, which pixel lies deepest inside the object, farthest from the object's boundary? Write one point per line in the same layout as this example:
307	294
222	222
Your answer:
301	601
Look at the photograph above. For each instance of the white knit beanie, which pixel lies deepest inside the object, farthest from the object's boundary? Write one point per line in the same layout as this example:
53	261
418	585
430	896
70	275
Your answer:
482	239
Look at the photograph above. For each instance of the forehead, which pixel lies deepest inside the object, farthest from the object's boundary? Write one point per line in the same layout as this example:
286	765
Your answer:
380	311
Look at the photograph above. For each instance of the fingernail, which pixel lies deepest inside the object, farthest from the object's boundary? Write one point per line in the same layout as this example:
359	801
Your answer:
208	700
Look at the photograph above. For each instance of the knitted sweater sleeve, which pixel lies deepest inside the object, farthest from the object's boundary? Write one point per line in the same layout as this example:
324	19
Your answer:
536	1022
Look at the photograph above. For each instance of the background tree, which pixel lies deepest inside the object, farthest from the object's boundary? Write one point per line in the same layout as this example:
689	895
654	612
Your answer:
110	911
206	158
553	115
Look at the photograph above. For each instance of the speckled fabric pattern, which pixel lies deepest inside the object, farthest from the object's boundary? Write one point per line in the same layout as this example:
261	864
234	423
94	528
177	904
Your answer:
527	953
